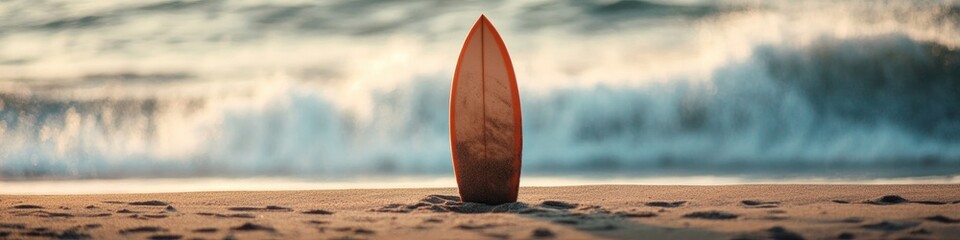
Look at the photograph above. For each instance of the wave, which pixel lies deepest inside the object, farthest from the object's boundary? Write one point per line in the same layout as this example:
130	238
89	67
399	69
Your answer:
245	89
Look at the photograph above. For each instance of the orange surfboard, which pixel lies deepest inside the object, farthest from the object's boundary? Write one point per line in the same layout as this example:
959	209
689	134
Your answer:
486	135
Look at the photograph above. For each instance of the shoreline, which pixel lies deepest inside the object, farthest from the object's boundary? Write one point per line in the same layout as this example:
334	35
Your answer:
781	211
214	184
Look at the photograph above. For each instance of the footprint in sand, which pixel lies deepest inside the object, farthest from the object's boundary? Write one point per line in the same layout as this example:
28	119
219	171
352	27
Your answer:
666	204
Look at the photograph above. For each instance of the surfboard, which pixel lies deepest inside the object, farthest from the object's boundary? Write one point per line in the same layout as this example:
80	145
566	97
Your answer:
486	135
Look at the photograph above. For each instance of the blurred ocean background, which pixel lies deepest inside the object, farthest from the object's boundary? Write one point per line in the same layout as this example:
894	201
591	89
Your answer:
345	89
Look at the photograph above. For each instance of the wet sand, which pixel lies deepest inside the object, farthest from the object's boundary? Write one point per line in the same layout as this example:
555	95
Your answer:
580	212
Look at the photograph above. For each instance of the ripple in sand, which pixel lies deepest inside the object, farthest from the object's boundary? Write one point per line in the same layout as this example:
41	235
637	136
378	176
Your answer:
711	215
666	204
558	204
888	226
235	215
46	214
270	208
318	222
47	233
205	230
355	230
27	206
845	236
887	200
99	215
476	226
13	225
759	204
930	202
543	233
166	237
253	227
942	219
149	203
144	229
636	214
318	212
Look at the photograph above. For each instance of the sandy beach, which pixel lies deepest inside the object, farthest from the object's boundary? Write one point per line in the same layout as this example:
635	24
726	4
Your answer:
578	212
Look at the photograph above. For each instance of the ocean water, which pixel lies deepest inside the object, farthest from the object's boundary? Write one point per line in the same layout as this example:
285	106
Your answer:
346	89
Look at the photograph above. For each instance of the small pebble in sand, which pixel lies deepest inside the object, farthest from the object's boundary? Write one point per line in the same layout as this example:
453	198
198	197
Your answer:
543	233
170	209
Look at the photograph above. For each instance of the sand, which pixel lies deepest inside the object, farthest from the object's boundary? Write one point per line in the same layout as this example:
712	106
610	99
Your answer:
578	212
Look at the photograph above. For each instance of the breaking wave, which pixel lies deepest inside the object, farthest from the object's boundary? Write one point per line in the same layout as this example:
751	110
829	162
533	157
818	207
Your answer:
283	90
